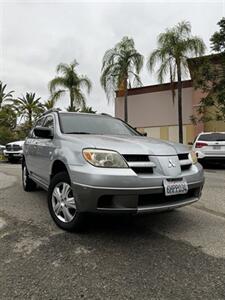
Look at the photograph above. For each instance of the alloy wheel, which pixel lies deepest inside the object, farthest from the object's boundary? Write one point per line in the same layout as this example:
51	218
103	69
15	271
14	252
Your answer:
63	202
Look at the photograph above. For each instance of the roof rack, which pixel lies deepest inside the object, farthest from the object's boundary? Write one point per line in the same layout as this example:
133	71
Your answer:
51	110
104	114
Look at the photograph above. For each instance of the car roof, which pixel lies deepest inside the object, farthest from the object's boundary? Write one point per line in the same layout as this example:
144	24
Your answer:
48	112
83	113
212	132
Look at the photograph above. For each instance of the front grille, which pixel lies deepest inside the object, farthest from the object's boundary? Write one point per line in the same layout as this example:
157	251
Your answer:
135	157
139	163
8	147
154	199
182	156
16	147
185	167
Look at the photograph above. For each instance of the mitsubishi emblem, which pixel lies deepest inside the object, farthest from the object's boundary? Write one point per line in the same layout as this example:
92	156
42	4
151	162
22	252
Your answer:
171	164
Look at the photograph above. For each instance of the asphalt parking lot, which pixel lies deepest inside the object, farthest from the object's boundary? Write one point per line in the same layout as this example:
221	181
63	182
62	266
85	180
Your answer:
176	255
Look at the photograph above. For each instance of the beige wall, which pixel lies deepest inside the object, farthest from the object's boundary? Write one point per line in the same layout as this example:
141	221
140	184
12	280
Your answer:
155	109
196	98
170	133
215	126
155	114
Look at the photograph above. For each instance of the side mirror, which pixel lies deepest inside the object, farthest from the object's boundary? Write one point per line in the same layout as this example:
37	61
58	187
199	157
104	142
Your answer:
43	132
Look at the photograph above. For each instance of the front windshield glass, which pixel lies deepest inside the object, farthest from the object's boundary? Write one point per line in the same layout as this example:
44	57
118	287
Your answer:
72	123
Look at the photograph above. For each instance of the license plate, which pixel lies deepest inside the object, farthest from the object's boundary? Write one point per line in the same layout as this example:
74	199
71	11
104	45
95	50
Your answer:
216	147
175	187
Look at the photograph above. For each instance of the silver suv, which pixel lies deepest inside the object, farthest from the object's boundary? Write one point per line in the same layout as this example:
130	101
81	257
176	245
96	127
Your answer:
210	146
97	163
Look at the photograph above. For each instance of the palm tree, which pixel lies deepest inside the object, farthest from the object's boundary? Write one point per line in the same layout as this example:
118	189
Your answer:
50	103
70	81
4	96
88	109
8	117
29	107
175	45
121	66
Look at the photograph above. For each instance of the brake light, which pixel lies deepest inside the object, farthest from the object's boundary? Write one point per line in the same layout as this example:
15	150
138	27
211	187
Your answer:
200	145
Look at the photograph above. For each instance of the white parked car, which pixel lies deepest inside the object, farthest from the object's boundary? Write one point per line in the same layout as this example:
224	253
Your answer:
14	151
2	147
210	146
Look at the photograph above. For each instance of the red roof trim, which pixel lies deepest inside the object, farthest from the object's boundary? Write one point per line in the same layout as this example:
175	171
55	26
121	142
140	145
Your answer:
156	88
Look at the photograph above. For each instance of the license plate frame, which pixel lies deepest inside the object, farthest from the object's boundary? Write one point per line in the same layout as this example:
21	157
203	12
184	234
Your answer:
175	187
216	147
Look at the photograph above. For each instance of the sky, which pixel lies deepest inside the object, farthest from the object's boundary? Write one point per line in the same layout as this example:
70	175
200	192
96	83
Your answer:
37	35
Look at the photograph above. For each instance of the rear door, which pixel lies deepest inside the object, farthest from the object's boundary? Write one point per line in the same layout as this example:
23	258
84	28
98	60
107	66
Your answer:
212	144
30	147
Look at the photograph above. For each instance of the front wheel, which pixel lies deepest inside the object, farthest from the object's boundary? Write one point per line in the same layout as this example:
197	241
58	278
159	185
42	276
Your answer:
28	184
62	203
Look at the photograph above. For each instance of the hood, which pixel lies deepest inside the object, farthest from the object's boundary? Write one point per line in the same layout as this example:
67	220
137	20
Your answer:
20	143
125	144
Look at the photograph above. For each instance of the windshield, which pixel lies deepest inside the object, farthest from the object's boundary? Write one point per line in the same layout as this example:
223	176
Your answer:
72	123
212	137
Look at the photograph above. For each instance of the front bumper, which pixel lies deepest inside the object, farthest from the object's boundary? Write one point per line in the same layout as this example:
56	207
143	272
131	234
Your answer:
12	154
128	193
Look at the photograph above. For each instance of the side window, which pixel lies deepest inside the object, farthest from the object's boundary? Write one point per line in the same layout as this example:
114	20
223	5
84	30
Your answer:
49	123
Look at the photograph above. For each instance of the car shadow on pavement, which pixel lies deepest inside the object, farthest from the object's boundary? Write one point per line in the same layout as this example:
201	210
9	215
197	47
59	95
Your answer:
124	225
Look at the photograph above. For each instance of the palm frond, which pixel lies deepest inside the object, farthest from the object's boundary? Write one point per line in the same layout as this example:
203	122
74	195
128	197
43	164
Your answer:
57	82
84	82
153	58
120	65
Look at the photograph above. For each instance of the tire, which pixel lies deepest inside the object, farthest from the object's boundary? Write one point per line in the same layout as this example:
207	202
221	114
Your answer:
62	205
11	160
202	162
28	184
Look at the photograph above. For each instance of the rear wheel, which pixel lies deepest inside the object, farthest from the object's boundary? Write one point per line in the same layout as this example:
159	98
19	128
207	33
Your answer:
202	162
28	184
62	203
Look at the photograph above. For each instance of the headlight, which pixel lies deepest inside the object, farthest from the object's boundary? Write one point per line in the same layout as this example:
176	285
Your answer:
104	158
193	157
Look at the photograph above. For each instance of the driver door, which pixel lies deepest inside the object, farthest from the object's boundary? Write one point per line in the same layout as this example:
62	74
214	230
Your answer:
44	152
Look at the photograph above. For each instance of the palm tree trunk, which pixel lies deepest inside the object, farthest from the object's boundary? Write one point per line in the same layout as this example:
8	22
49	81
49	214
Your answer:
71	100
125	101
30	119
180	116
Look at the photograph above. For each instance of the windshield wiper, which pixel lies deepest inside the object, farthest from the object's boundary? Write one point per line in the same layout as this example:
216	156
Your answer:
78	132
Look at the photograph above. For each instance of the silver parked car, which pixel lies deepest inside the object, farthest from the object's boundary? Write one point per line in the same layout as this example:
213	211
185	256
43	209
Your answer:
97	163
210	146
